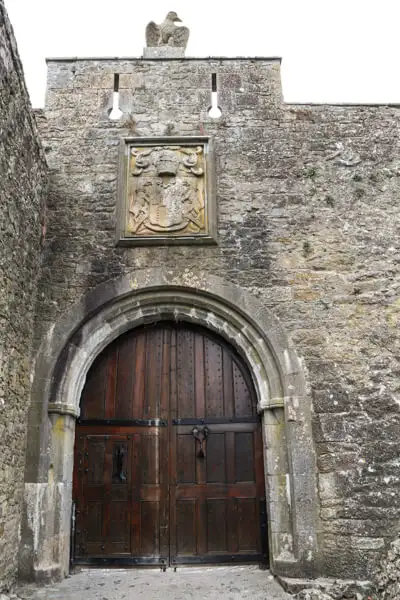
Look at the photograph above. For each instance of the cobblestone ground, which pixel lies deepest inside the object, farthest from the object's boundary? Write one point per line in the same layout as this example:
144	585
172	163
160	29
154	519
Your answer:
230	583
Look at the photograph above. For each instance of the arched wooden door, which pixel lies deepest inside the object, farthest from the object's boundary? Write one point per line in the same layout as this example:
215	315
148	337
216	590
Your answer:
168	453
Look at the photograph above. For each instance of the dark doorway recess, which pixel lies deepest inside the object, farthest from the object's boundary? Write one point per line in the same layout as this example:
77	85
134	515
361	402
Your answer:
168	454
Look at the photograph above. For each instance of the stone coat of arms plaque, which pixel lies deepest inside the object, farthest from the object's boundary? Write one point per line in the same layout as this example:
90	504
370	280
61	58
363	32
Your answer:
167	192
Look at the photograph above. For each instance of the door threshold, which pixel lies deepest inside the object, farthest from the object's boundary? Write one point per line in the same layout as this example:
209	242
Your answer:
163	563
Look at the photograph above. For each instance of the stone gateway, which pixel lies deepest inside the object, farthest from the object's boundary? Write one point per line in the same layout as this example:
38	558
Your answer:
200	322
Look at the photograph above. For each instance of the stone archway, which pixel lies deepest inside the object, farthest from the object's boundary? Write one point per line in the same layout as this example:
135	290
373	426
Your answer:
148	296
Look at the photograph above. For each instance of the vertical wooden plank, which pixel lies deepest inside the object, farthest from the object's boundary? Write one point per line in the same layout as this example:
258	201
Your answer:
159	345
163	432
94	392
185	459
248	525
213	374
147	375
111	383
244	405
217	526
118	542
172	503
201	525
96	461
139	381
135	494
172	465
150	528
185	373
164	493
153	373
215	458
232	538
230	456
200	396
155	468
149	507
186	527
229	403
165	372
107	525
149	462
232	527
125	377
93	535
173	376
244	456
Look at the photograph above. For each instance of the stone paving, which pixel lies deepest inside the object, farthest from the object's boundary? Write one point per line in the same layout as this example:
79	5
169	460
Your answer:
230	583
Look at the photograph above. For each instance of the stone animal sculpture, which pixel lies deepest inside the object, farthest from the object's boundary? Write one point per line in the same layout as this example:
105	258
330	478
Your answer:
167	33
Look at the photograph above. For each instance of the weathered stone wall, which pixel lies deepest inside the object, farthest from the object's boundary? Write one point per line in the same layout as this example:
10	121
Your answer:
308	223
22	198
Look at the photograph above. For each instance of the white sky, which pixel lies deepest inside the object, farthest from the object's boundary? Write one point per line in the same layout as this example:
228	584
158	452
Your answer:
333	50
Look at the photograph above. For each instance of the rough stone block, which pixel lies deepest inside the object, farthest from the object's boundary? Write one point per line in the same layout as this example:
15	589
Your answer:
164	52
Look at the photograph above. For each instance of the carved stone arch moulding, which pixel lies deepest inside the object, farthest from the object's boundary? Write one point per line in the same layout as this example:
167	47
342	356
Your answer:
148	296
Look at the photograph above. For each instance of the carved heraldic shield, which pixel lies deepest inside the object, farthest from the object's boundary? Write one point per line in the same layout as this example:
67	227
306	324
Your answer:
166	192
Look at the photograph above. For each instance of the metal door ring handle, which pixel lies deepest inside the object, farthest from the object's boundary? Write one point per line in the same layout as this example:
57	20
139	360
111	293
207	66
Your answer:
201	434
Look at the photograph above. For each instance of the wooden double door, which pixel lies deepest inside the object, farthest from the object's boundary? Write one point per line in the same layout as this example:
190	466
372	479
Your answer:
168	454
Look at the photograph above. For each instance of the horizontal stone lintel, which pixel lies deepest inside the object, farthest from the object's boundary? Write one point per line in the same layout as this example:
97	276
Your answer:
164	52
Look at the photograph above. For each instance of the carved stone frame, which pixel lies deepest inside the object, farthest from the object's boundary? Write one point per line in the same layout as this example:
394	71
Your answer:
148	296
210	196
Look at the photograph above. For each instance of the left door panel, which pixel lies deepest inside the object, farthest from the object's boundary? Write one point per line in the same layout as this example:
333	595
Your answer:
121	499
